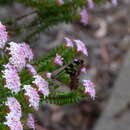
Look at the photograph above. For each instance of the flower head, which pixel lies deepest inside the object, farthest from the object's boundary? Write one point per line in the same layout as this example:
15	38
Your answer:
28	54
33	96
13	117
69	42
81	47
58	60
83	70
31	69
114	2
17	56
12	78
30	121
84	17
13	123
48	75
90	4
42	85
89	88
3	36
20	54
14	107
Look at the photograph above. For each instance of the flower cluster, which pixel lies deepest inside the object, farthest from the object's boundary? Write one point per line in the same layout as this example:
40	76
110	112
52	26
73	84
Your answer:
89	88
12	78
58	60
84	16
83	69
69	42
32	95
28	54
13	117
80	46
90	4
114	2
30	121
31	69
42	85
48	75
3	36
84	12
20	54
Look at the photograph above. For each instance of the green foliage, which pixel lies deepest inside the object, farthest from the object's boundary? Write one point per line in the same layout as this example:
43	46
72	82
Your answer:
47	63
49	13
61	98
3	127
5	2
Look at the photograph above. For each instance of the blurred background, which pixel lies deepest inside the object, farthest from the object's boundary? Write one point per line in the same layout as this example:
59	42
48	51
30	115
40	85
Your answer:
107	37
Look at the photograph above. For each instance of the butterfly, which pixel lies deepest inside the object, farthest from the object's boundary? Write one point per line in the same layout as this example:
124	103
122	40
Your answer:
73	69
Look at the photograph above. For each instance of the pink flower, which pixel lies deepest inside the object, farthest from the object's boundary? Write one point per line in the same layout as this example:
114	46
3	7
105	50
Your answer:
84	16
90	4
30	121
69	42
31	69
114	2
48	75
89	88
42	85
3	36
20	54
13	118
13	123
12	78
33	96
27	51
81	47
17	56
83	70
14	107
58	60
9	66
